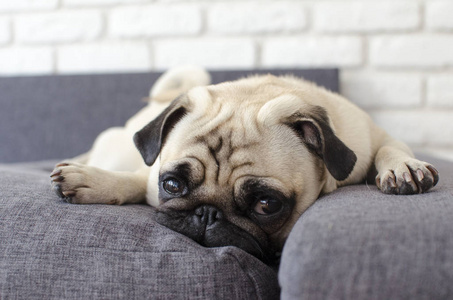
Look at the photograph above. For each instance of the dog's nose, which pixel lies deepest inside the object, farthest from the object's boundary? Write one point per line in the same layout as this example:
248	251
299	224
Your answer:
208	214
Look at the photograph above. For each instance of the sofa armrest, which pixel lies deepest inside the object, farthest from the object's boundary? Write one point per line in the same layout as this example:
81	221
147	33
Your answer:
358	243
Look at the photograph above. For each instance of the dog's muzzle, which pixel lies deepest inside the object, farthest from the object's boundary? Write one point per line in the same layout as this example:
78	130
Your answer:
208	226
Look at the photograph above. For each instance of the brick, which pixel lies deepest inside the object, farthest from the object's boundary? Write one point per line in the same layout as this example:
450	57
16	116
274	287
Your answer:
27	5
254	17
175	1
5	35
103	58
424	51
439	14
417	128
382	90
312	52
58	27
26	61
364	16
155	20
209	53
100	2
440	91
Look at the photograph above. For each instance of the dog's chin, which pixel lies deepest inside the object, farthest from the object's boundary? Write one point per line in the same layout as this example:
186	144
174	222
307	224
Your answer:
207	226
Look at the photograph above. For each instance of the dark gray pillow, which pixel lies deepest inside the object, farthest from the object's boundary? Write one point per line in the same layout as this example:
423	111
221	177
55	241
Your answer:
53	250
357	243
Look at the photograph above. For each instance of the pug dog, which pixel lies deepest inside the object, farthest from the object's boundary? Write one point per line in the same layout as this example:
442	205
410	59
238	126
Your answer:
237	163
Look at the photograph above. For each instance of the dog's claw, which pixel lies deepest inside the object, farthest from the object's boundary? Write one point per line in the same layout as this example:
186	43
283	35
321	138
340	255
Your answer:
69	194
410	177
407	177
407	186
72	183
420	175
391	182
57	178
55	172
63	164
435	174
57	190
65	195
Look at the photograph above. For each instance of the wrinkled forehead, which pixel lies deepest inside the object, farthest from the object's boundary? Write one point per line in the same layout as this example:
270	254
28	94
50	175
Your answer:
230	140
214	118
244	104
222	104
223	145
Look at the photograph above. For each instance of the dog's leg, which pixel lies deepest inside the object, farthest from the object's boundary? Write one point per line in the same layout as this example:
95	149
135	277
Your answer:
82	184
82	158
399	172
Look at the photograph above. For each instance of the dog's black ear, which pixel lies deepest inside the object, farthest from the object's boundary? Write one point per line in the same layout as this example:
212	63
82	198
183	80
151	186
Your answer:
316	133
150	139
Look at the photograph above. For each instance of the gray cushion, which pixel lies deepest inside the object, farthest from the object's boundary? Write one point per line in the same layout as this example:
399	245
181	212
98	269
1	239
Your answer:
357	243
53	250
47	117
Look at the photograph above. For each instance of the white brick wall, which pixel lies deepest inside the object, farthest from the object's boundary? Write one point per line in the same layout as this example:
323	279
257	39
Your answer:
365	16
100	3
396	56
439	14
218	53
440	91
103	58
25	61
27	5
420	51
418	127
4	30
383	90
58	27
228	18
312	51
154	20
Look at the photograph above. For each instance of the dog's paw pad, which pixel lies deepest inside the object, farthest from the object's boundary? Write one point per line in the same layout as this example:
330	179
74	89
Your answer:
410	177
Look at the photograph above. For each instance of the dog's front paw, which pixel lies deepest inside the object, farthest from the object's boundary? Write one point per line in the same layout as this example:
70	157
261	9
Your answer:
409	177
71	182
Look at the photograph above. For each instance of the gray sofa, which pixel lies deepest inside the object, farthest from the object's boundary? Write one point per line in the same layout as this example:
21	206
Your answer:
355	243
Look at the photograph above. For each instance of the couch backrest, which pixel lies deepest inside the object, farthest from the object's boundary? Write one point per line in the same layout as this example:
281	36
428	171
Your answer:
56	117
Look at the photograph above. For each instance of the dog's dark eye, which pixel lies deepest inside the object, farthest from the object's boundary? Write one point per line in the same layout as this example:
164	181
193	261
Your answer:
173	186
267	206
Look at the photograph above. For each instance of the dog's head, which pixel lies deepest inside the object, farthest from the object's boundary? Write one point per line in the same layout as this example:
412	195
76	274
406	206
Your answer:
239	162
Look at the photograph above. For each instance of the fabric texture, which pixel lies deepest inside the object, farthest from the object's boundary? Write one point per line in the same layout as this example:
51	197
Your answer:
358	243
355	243
53	250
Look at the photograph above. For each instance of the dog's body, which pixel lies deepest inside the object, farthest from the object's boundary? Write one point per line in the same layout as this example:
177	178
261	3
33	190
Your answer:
237	163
